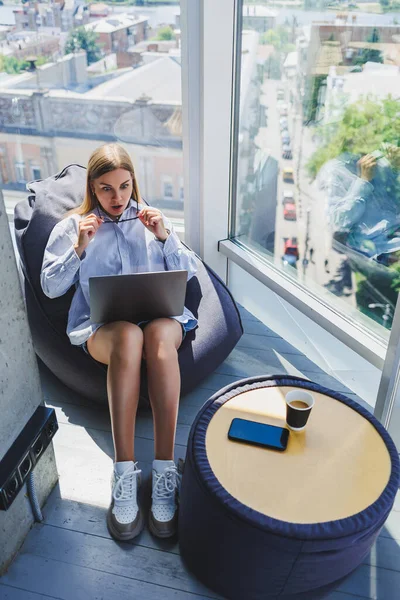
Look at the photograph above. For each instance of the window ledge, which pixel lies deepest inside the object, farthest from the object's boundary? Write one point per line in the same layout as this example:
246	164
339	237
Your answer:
354	336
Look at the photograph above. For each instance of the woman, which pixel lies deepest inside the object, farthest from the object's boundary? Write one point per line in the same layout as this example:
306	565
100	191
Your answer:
112	232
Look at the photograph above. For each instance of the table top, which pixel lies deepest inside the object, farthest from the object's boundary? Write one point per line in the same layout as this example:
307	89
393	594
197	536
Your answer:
336	467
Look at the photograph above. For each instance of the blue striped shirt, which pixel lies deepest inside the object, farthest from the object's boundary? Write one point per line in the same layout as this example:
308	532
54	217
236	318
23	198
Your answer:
117	248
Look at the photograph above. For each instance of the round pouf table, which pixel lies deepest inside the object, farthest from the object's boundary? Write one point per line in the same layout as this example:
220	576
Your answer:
261	524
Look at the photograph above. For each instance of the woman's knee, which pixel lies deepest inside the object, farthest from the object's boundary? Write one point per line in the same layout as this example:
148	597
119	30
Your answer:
161	334
127	339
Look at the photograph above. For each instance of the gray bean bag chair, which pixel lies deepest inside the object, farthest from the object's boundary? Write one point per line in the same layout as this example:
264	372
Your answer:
203	349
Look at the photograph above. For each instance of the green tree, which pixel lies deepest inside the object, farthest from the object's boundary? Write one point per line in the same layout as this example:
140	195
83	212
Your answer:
396	279
12	65
278	37
165	33
364	127
370	54
374	37
83	39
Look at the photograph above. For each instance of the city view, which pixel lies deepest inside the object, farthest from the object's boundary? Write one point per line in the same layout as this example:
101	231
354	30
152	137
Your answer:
319	130
75	75
319	125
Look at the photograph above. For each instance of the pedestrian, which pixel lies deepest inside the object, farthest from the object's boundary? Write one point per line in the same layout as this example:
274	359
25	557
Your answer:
113	232
311	255
326	265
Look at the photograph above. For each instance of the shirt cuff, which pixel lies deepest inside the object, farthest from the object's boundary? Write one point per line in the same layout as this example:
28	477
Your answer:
361	188
73	262
171	245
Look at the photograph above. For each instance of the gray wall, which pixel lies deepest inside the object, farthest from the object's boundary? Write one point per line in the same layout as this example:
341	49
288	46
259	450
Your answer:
20	394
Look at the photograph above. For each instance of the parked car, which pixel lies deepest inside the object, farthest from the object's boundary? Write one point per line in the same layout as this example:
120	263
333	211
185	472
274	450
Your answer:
280	94
290	252
287	197
288	174
285	137
287	151
283	123
289	211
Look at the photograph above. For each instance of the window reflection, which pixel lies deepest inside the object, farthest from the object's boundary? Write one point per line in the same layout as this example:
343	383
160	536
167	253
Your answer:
318	157
73	80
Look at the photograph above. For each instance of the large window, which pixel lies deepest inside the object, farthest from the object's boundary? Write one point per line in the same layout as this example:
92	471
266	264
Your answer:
317	158
58	103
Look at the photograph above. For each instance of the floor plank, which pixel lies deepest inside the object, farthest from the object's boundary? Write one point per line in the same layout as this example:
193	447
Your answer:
392	526
373	582
102	555
262	342
91	519
100	419
255	327
13	593
80	583
343	596
384	554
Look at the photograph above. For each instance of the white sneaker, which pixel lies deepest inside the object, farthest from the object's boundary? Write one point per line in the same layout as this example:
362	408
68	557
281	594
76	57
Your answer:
163	516
124	517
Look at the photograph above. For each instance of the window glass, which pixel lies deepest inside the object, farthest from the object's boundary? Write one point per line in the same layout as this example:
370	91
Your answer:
317	157
73	80
20	172
168	190
36	173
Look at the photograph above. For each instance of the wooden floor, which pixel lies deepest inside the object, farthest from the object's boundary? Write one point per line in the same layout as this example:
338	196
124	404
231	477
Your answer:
71	555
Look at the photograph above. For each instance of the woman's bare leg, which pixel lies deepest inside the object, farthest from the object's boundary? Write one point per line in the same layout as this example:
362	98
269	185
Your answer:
120	346
162	338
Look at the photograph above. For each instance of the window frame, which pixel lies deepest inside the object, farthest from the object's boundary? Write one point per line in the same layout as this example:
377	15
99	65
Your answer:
20	164
210	180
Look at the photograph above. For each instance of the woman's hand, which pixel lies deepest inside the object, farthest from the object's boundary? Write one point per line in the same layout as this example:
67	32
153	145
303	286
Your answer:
367	166
153	221
87	230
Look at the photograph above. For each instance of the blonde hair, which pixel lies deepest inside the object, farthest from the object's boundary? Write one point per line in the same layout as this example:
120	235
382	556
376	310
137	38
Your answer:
103	160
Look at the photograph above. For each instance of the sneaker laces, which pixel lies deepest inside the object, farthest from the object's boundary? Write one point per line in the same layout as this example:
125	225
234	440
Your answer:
166	483
126	484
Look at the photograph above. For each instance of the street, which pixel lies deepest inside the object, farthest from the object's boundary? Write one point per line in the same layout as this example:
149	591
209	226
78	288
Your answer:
269	139
318	262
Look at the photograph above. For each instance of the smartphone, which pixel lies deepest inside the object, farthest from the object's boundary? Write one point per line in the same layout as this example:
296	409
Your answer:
259	434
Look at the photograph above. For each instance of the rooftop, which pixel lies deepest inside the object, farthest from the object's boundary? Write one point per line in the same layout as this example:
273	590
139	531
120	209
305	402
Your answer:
258	10
378	81
329	54
159	80
71	555
115	23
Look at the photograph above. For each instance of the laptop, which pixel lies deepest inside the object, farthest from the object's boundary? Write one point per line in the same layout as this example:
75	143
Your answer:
137	297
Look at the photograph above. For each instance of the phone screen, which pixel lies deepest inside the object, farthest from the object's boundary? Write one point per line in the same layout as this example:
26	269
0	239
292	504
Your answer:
259	434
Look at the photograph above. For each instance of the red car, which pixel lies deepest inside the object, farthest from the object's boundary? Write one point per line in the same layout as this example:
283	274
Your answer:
290	252
289	212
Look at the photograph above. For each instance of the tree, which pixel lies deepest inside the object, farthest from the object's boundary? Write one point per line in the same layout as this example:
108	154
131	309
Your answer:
370	54
83	39
364	127
396	279
12	65
165	33
374	37
278	38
